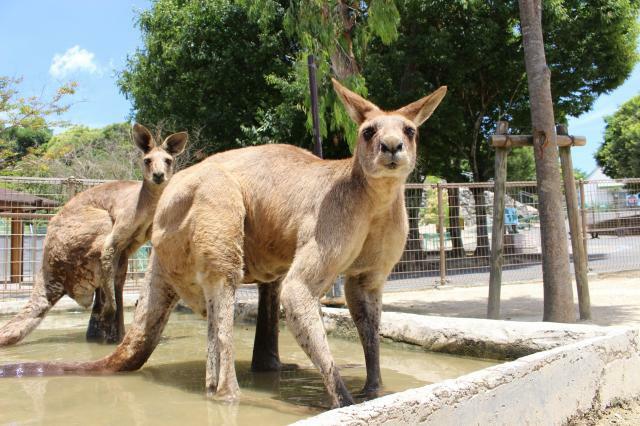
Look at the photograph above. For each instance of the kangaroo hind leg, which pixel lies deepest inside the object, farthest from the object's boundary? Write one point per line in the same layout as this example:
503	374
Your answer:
221	381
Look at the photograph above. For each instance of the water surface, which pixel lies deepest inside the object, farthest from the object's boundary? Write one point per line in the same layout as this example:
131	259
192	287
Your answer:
169	389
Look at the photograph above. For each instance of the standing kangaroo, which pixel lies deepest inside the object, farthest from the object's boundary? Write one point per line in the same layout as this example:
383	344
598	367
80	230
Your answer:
277	214
89	241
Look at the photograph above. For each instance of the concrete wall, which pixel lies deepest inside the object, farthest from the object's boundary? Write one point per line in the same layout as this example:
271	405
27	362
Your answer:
571	369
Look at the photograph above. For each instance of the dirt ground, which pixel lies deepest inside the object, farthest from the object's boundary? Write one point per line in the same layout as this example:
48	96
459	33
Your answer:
615	300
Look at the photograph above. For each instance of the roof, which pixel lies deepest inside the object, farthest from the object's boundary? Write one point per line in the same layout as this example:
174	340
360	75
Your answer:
10	198
597	174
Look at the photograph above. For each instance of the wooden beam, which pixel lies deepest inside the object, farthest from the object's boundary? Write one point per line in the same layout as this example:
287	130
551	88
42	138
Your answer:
575	227
497	242
508	141
443	254
15	249
27	216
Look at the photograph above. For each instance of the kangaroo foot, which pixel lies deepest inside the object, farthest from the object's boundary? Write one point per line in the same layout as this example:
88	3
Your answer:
104	329
263	363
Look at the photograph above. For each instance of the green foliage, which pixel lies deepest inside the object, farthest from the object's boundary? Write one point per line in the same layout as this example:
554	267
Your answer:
25	121
579	174
619	155
474	47
338	34
16	142
82	152
237	70
204	67
521	165
31	112
429	210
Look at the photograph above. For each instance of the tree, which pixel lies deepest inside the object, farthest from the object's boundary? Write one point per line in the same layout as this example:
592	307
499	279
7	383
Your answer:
619	155
338	34
205	66
558	296
82	152
16	142
25	122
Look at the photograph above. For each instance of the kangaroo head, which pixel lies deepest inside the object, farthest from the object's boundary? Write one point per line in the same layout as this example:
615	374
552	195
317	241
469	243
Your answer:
386	144
158	159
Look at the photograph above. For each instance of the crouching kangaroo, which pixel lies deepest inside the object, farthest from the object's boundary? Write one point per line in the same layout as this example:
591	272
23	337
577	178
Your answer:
277	214
89	241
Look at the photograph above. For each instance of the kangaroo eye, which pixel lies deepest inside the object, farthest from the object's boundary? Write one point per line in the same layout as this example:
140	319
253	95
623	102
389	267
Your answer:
410	132
147	161
168	161
368	133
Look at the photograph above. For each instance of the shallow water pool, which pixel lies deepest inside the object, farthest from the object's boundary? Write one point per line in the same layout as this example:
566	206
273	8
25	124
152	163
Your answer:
169	389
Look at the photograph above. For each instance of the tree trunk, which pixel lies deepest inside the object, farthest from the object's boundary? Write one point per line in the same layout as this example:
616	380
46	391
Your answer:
558	296
455	230
482	230
343	60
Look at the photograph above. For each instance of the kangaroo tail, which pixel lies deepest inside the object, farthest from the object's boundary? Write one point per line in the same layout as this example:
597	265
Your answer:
41	300
152	313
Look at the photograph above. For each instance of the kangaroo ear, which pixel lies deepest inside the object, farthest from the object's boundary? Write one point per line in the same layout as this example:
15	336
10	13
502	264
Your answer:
174	144
420	110
142	138
357	107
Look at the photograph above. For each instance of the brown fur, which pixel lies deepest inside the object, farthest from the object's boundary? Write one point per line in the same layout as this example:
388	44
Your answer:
276	212
89	241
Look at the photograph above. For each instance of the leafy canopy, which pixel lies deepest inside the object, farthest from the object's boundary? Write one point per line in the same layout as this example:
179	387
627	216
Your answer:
204	67
83	152
619	155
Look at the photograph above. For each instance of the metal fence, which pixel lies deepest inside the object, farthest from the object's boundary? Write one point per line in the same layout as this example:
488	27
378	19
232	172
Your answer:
449	238
26	206
451	230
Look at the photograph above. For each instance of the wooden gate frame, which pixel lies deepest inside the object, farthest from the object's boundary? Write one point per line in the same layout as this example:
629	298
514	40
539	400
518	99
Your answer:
503	142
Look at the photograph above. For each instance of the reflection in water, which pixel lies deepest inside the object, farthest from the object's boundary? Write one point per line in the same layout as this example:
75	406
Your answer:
170	388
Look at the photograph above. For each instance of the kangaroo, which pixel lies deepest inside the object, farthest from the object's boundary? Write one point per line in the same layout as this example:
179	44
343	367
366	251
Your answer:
89	241
279	216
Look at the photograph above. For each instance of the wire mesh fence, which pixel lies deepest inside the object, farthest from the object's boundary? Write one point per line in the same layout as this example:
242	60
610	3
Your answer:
26	206
448	242
451	230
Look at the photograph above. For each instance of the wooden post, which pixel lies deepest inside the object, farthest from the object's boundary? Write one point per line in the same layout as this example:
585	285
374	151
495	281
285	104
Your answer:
497	241
558	296
16	250
443	258
583	216
575	227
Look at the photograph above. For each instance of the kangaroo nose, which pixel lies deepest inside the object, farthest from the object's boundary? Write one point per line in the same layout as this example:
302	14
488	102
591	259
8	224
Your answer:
391	146
158	177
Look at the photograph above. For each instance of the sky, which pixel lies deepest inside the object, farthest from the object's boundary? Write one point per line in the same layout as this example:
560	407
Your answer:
51	42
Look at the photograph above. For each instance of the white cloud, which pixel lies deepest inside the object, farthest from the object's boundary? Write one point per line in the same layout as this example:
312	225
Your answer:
73	60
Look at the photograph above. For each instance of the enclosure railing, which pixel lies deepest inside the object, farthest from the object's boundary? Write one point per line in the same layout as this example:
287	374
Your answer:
448	243
26	206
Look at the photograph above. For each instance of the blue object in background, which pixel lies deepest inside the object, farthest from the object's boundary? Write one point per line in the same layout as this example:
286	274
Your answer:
510	216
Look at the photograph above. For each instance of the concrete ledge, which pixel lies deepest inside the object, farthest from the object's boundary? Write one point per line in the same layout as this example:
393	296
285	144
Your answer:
65	304
572	369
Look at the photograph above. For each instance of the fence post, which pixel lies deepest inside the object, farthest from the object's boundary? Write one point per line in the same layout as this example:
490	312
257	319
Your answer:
583	216
16	250
72	187
575	227
497	241
443	259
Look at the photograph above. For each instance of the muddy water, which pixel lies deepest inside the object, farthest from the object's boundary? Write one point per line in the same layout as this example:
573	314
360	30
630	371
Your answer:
170	388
